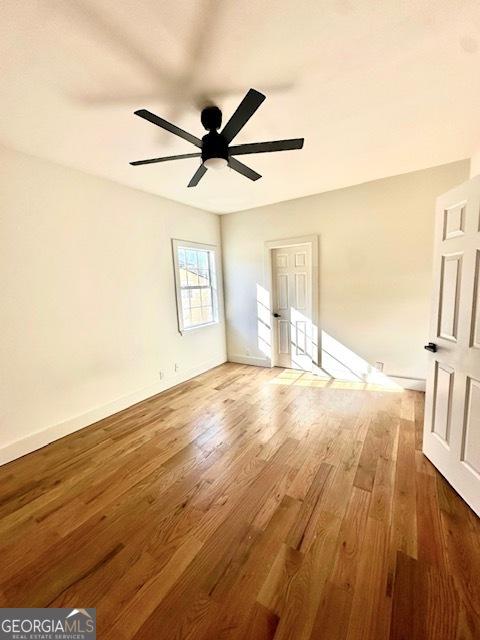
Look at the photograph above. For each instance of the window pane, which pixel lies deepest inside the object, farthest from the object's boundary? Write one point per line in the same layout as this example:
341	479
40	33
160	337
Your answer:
196	316
206	297
202	257
195	297
185	298
182	266
203	277
191	258
192	277
207	314
181	257
183	276
187	320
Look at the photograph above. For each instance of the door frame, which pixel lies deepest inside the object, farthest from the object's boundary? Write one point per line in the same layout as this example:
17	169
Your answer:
269	245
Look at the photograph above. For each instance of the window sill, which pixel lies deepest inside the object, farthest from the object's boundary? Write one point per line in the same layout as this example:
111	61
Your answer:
198	326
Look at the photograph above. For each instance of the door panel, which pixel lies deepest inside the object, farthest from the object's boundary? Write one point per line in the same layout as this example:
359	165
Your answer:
300	291
443	401
454	221
282	292
452	404
301	337
471	448
292	301
281	260
476	306
301	259
451	274
283	338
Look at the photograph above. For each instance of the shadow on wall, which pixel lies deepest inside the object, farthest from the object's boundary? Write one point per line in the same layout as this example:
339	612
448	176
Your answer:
339	367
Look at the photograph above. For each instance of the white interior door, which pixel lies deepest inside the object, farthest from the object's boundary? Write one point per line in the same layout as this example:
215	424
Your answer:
292	306
452	411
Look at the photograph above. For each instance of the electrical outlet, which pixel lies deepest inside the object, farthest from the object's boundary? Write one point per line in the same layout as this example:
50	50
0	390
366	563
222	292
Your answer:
160	375
247	352
177	367
379	366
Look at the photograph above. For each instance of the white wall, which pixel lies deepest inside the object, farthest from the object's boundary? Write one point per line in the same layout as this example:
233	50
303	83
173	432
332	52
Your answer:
475	164
87	313
376	244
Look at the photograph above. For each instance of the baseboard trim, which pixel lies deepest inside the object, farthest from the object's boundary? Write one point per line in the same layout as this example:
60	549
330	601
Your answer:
42	438
256	362
414	384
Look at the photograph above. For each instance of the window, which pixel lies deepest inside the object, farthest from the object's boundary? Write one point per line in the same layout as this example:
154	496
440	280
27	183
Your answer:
196	284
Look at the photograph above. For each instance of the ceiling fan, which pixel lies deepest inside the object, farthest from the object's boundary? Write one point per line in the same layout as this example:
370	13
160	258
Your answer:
215	149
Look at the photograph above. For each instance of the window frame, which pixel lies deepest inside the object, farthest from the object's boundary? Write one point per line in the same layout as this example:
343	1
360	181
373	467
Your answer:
214	280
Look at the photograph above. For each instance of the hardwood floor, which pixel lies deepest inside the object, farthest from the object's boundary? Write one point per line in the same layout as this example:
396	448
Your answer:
246	503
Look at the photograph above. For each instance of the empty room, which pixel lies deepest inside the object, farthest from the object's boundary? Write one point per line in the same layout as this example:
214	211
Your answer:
240	320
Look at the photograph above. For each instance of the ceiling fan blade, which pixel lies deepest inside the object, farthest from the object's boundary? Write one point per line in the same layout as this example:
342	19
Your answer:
168	126
243	169
243	113
165	159
266	147
197	176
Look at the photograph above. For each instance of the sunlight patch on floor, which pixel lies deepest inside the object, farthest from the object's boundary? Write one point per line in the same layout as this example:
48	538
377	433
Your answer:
322	380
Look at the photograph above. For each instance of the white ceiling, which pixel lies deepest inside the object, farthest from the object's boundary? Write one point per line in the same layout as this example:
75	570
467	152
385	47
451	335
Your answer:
376	88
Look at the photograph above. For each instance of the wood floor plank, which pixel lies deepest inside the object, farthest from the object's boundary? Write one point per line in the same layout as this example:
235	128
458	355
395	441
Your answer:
431	545
238	590
367	466
420	593
370	615
149	593
246	503
333	615
306	519
304	589
350	539
404	525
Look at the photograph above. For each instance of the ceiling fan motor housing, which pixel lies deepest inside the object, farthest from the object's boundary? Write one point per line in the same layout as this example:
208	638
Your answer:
211	118
214	145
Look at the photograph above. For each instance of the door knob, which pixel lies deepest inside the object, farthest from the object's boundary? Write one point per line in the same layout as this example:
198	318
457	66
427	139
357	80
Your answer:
277	315
431	346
